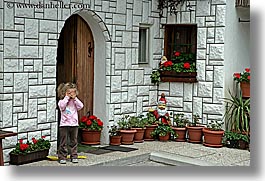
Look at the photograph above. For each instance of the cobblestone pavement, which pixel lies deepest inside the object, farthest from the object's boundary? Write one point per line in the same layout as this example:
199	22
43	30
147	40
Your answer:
218	156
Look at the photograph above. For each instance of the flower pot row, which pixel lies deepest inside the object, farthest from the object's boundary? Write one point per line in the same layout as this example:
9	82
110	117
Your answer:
189	133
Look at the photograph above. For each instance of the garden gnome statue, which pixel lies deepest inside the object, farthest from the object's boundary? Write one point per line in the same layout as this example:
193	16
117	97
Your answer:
161	113
163	60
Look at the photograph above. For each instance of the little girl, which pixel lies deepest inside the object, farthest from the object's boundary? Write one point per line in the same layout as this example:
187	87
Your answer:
68	104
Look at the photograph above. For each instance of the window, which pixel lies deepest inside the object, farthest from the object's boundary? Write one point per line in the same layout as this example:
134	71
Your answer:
143	55
181	38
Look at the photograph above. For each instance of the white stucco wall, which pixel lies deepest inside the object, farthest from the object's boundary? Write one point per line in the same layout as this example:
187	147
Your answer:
237	42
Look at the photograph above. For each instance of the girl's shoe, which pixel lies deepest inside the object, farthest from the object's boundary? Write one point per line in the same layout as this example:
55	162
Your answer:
74	160
62	161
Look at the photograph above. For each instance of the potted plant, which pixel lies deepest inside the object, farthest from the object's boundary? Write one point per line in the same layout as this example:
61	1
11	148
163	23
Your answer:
138	124
213	134
91	127
231	139
244	80
234	139
179	126
243	141
126	131
237	115
194	130
114	134
26	152
150	125
163	132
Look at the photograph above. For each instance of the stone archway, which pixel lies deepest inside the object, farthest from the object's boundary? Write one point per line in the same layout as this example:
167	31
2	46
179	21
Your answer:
102	47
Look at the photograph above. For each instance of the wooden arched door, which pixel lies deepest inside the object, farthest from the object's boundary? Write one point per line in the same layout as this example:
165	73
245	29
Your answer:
75	60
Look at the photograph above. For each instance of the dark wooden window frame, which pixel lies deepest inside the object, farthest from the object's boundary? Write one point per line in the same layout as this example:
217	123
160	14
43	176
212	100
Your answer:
191	38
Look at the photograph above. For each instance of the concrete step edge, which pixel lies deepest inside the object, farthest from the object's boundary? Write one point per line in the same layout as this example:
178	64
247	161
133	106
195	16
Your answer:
177	160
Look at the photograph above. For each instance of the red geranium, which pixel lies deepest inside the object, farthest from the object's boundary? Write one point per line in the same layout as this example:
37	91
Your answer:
92	117
168	64
177	54
34	140
23	146
100	123
35	145
91	123
186	65
84	119
242	77
247	70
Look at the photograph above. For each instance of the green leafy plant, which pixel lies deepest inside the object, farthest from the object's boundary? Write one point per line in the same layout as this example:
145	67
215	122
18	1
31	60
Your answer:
114	130
231	135
137	122
179	120
150	119
244	137
162	130
237	113
35	145
155	77
215	125
124	123
242	77
195	121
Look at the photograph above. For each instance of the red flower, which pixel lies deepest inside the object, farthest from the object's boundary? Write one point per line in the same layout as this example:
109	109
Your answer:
177	54
100	123
84	119
247	70
249	77
34	140
21	141
89	122
186	65
43	137
237	75
168	64
92	117
23	146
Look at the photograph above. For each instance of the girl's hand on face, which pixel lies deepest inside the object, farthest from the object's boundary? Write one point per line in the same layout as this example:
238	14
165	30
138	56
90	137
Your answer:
73	93
68	93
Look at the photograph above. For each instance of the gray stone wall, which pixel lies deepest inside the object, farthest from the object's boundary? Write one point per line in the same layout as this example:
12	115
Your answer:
204	97
28	49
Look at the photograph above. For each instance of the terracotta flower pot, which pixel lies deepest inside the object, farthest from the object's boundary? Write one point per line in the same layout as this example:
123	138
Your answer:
181	132
148	131
90	137
115	140
139	135
127	136
245	89
213	138
164	138
195	134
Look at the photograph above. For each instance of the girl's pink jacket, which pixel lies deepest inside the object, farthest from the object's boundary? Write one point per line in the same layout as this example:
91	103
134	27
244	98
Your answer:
69	108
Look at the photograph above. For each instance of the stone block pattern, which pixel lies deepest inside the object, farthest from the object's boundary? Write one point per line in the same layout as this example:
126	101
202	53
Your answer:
203	97
28	50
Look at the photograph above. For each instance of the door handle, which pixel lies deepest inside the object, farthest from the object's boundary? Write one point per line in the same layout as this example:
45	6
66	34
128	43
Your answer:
90	49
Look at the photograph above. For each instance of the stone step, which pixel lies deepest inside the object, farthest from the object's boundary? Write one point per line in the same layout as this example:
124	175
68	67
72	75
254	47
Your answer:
177	160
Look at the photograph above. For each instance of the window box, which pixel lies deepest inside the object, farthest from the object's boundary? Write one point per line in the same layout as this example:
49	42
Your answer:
172	76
